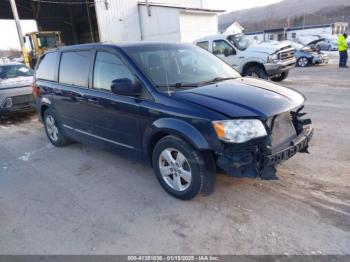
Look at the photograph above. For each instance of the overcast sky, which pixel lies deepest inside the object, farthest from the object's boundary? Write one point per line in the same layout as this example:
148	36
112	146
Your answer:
8	32
9	38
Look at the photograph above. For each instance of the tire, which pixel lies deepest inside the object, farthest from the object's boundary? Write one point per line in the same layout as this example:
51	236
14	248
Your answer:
280	78
256	71
53	130
302	61
181	170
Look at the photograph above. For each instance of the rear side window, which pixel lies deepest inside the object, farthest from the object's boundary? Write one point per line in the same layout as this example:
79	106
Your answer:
109	67
47	66
74	68
204	45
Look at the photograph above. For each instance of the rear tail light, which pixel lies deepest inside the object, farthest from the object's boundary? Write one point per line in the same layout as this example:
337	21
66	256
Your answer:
36	90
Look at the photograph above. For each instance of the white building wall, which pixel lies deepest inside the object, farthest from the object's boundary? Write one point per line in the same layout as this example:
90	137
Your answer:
298	33
118	20
194	25
257	37
309	32
163	24
185	3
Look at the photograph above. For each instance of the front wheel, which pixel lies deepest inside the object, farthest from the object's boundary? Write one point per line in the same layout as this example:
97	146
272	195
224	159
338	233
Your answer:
281	77
303	62
256	72
180	169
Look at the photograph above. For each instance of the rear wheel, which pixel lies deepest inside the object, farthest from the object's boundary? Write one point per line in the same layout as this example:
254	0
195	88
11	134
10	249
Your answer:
256	72
53	130
281	77
303	62
181	169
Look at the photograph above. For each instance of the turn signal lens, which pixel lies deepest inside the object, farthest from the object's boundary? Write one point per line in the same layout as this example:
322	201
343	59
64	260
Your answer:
219	128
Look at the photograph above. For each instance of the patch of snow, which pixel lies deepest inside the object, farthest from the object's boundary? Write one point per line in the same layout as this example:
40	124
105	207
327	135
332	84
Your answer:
25	157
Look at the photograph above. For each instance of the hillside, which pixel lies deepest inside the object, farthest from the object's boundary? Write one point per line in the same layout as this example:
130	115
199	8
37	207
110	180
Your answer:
276	15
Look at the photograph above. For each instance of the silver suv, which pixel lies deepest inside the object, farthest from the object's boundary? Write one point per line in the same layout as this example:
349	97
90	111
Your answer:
15	88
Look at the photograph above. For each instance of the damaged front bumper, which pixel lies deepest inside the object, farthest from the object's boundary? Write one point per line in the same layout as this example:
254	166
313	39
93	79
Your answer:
277	68
257	159
299	144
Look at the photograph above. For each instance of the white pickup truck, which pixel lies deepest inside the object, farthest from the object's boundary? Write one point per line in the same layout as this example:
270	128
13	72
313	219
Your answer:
262	60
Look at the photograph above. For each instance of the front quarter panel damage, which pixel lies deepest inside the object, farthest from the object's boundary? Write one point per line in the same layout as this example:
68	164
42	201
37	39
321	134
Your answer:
259	157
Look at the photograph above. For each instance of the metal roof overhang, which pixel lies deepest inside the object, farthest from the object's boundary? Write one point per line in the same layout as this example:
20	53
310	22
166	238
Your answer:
70	19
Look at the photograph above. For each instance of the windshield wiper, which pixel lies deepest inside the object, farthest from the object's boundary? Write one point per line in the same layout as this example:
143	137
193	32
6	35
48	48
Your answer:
217	79
180	85
184	84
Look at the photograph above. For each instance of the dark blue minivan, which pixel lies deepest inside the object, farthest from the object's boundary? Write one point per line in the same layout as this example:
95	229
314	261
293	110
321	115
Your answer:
174	106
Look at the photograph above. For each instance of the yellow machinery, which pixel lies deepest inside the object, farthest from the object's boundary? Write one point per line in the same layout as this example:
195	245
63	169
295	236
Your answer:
39	42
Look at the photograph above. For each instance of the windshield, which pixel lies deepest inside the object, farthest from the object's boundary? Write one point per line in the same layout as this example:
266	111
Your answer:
13	71
49	41
241	41
179	65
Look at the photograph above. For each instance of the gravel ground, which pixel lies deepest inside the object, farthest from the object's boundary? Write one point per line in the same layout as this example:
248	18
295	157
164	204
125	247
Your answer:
81	200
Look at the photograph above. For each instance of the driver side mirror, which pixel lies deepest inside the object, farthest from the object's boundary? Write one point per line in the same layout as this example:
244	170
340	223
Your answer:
229	51
126	87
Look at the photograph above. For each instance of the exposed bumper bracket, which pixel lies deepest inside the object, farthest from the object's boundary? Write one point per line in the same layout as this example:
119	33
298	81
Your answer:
257	164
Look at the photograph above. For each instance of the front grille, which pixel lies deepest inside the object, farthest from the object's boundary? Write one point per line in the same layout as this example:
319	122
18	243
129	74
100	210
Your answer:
23	99
285	55
283	131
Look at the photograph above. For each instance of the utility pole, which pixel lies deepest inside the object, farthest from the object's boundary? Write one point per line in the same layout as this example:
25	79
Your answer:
19	31
90	24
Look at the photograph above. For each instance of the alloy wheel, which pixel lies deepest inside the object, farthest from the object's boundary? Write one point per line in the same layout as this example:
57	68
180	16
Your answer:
175	169
302	62
51	127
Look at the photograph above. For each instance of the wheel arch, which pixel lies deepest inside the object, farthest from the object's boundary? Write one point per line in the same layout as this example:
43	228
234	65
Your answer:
43	108
168	126
252	64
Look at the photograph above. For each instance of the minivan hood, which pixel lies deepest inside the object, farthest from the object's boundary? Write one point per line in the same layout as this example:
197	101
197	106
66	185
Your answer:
16	82
244	97
266	47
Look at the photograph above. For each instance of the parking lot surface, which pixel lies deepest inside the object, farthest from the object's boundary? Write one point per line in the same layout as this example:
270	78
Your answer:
81	200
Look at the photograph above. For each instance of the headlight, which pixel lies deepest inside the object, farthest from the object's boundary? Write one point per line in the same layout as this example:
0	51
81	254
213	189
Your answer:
240	130
272	58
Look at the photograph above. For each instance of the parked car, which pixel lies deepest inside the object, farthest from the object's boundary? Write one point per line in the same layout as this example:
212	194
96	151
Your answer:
262	60
328	44
16	88
174	106
307	55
